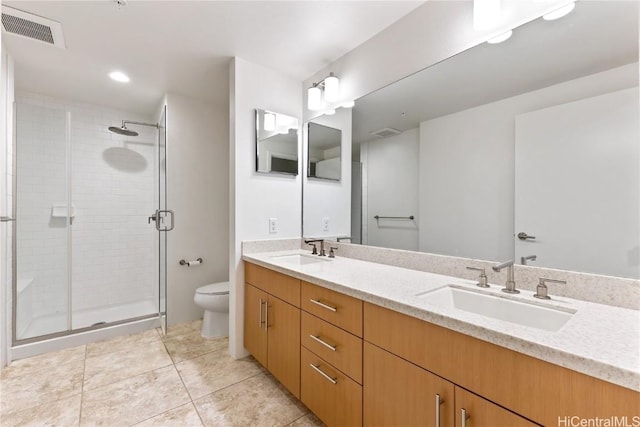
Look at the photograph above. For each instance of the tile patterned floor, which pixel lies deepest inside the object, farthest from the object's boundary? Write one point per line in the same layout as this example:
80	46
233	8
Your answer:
147	380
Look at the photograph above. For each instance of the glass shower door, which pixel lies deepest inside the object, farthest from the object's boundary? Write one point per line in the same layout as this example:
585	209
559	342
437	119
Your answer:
44	215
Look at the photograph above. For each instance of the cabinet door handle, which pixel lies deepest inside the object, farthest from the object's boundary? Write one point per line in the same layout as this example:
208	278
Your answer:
324	343
260	322
439	402
266	315
321	304
464	417
318	370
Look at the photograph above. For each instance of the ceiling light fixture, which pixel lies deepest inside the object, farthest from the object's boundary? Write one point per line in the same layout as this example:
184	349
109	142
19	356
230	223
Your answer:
119	76
500	38
330	85
486	14
560	12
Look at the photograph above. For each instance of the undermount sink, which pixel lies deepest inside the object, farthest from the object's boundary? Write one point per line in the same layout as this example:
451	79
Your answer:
300	259
499	307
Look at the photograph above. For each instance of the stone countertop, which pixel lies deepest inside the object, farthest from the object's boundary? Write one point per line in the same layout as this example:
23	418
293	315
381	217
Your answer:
599	340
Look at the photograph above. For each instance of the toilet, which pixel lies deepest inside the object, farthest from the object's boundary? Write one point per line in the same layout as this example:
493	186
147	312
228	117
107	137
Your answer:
214	299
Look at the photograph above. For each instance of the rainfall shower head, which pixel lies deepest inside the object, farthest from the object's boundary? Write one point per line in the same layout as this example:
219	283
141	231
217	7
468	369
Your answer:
128	132
123	130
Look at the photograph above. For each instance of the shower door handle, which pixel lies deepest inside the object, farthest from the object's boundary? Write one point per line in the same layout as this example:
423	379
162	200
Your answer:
158	219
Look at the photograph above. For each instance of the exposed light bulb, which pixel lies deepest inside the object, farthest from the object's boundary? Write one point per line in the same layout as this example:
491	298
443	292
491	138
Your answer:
314	98
500	38
331	88
269	122
559	13
486	14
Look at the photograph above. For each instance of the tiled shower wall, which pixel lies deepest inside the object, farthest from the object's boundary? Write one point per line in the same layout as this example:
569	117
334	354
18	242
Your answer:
112	180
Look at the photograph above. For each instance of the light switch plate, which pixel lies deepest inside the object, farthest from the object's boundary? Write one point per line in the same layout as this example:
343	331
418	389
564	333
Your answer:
325	224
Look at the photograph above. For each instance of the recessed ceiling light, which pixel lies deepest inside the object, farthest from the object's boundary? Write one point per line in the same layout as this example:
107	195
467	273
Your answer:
499	39
559	13
119	76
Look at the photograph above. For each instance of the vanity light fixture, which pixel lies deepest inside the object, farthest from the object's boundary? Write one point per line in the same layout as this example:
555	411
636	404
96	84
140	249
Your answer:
560	12
119	76
269	122
486	13
330	85
500	38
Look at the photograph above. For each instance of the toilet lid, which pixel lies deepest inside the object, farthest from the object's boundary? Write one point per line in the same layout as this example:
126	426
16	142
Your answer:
221	288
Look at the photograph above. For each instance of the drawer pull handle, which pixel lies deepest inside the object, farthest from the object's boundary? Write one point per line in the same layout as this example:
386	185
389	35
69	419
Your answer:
464	417
260	321
318	370
439	402
321	304
324	343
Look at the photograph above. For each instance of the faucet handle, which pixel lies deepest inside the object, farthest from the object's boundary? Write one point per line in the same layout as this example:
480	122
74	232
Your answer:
331	253
542	291
315	248
483	277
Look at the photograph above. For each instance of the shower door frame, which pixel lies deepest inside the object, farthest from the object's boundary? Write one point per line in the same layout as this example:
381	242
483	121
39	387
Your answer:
162	249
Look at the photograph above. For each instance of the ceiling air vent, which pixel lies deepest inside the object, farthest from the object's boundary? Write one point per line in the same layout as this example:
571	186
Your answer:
386	132
31	26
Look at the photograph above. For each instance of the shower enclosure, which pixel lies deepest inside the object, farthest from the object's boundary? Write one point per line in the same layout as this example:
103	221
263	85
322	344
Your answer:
89	245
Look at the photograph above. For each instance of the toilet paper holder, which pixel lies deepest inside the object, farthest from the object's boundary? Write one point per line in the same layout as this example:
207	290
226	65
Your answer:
190	263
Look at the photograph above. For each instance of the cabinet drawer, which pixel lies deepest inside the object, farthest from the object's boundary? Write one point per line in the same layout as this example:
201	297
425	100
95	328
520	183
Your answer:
335	398
336	308
285	287
339	348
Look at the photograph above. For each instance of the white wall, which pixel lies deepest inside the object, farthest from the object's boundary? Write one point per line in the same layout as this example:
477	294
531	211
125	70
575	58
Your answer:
326	198
6	204
256	197
392	166
467	165
198	192
429	34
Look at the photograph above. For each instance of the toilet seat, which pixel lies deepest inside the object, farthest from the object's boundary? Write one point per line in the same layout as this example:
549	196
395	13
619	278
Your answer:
221	288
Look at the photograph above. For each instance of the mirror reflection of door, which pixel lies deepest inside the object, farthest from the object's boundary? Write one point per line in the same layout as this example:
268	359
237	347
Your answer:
578	186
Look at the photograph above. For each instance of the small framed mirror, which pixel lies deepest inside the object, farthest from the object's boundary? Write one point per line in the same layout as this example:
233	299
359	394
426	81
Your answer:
325	152
276	143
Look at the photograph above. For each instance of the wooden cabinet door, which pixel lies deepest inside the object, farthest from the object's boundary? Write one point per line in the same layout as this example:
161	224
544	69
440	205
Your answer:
255	332
482	413
283	325
399	393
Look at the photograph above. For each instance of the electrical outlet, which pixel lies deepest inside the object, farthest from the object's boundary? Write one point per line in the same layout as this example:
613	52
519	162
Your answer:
273	225
325	224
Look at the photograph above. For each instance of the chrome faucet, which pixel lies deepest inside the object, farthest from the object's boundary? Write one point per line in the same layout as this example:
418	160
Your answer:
510	284
321	241
524	259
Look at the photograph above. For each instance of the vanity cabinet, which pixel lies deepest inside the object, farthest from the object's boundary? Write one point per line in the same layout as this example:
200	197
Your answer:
537	390
354	363
272	325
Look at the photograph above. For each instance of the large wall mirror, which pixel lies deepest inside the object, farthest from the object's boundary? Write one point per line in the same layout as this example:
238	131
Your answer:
538	136
276	143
